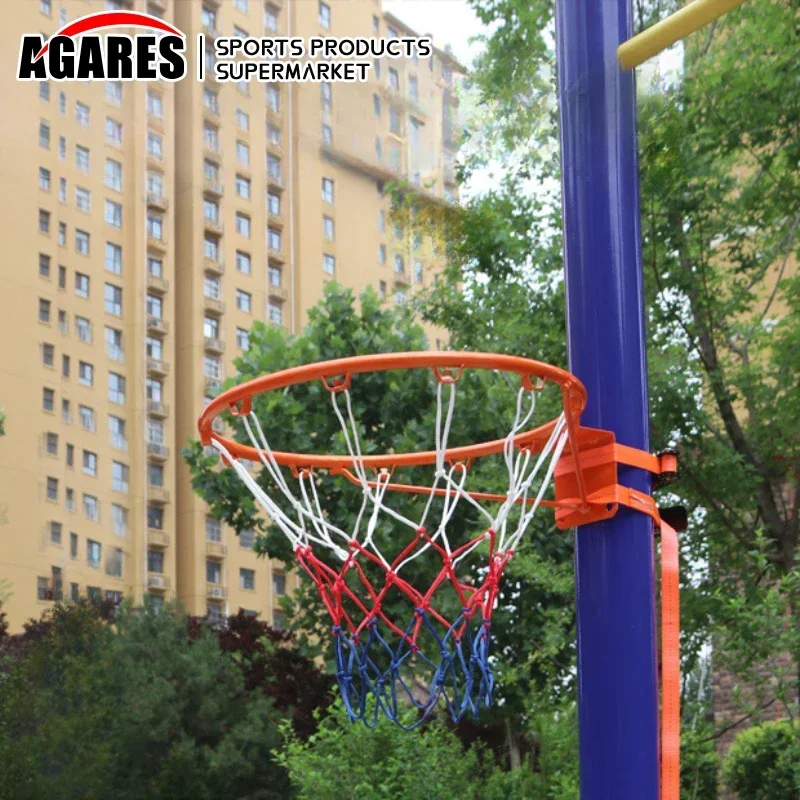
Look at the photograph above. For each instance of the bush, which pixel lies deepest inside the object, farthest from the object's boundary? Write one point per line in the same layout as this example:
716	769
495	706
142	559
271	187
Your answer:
764	763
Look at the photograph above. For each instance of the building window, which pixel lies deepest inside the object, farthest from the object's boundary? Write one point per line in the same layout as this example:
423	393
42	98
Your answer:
62	234
271	20
243	262
243	153
69	499
114	92
247	539
63	325
119	519
114	568
247	579
213	530
83	328
275	312
155	183
51	442
119	476
155	518
242	224
44	179
278	620
327	135
274	135
155	306
62	149
394	79
43	590
211	287
155	227
329	264
382	290
274	167
113	215
381	253
242	338
413	87
48	354
82	114
244	301
155	475
113	174
394	121
52	494
82	242
44	90
273	94
44	310
274	240
113	132
211	136
113	258
418	271
324	15
48	399
241	5
243	187
155	431
155	104
210	210
210	98
212	367
326	94
155	561
211	247
70	455
82	158
91	508
93	552
85	373
376	104
44	265
114	344
155	145
44	135
213	572
116	388
81	284
66	411
279	583
327	190
113	299
90	461
273	204
44	221
242	120
62	190
155	267
116	432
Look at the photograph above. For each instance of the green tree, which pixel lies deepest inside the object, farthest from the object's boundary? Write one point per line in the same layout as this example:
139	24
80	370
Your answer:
134	710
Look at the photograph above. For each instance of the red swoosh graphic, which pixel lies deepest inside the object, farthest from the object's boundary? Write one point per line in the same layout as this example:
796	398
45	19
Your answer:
110	19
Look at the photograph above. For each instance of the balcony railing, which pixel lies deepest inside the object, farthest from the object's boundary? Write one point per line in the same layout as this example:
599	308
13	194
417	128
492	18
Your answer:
214	265
214	345
156	581
212	225
156	243
157	284
157	494
157	452
216	591
155	408
216	550
157	367
157	325
211	385
158	201
279	292
212	187
213	306
157	538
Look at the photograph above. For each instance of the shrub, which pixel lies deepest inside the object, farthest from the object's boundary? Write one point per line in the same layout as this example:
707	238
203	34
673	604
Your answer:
764	763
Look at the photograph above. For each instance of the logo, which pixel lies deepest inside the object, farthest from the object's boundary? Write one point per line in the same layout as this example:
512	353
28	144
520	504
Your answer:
76	53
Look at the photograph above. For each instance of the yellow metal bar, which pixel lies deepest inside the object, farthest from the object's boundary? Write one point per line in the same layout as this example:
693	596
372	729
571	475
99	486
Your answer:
660	36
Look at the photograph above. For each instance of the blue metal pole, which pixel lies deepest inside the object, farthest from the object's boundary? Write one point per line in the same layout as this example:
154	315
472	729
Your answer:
614	564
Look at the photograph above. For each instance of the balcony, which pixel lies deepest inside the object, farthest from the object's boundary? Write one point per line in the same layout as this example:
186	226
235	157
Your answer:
214	345
212	153
157	201
279	292
157	582
275	181
157	284
157	325
157	538
276	254
212	33
154	243
212	187
157	494
216	550
157	409
211	385
157	452
213	306
157	367
212	225
401	279
216	266
215	591
155	160
274	117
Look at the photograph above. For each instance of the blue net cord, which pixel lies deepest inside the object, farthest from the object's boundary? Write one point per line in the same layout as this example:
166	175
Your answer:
460	673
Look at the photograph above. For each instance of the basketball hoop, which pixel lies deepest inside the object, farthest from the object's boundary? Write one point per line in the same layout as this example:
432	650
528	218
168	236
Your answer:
430	655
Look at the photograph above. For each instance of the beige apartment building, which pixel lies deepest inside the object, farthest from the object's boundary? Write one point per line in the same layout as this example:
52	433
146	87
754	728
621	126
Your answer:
146	227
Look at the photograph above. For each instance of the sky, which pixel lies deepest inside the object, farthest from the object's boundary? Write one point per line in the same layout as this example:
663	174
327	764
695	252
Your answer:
451	22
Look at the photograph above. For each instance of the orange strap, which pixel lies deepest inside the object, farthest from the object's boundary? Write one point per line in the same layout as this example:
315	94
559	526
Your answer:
604	496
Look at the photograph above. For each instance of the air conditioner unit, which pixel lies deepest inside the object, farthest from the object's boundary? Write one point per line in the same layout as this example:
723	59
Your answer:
217	591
